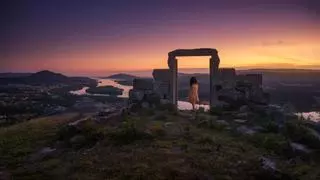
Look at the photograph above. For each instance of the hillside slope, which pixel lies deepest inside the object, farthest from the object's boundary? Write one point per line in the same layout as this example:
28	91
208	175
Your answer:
161	143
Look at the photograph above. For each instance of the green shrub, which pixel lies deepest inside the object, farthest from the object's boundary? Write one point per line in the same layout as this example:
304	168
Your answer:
201	110
298	132
211	124
67	132
128	133
90	131
273	143
147	112
216	111
271	127
205	140
161	117
169	107
157	130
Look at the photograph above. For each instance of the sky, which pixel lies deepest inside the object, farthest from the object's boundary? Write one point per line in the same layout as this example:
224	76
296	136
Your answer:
99	36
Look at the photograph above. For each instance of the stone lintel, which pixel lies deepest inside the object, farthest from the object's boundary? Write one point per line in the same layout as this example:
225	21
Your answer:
193	52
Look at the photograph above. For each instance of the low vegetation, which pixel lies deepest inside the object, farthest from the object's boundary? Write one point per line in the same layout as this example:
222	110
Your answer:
160	143
18	141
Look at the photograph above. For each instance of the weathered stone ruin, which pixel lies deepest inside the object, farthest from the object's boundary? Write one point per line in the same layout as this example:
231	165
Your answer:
236	90
144	93
162	82
226	87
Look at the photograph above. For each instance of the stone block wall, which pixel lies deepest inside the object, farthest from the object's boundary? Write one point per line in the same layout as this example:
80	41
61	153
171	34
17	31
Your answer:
162	75
162	82
253	79
228	74
143	84
227	77
230	89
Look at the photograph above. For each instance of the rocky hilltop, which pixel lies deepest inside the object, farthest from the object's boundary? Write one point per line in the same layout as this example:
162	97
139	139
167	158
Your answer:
241	137
161	142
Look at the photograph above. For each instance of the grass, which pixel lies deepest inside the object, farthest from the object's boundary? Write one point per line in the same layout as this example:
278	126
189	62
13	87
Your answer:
299	132
158	145
128	133
18	141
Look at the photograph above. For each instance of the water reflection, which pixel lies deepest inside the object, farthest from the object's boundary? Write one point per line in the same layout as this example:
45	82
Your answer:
105	82
112	82
313	116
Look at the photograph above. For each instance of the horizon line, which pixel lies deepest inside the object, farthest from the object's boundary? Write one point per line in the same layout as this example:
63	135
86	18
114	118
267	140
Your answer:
143	70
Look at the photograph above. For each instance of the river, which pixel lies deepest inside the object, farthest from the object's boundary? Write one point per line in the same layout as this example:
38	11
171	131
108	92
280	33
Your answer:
313	116
182	105
105	82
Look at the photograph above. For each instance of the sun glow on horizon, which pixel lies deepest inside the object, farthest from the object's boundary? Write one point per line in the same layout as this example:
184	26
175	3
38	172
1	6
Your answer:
287	37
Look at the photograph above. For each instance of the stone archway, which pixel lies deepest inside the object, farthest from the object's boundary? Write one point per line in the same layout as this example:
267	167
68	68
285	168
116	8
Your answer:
213	65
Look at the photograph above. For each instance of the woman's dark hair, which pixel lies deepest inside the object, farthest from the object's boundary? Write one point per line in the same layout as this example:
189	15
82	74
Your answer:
193	81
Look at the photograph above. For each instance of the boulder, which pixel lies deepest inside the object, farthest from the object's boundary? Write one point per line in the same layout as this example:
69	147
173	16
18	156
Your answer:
243	109
168	124
222	122
164	101
268	164
246	130
258	128
299	147
145	105
41	154
77	140
314	133
241	121
243	115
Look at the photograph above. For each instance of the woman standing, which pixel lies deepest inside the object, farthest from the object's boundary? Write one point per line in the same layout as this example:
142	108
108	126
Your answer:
193	92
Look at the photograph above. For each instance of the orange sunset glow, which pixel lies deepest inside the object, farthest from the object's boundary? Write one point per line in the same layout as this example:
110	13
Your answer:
282	37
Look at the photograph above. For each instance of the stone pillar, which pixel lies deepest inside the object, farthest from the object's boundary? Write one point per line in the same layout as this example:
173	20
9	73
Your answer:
173	65
214	70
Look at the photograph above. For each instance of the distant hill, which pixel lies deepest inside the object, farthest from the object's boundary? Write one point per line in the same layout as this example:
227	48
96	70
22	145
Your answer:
46	77
279	71
14	75
122	76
